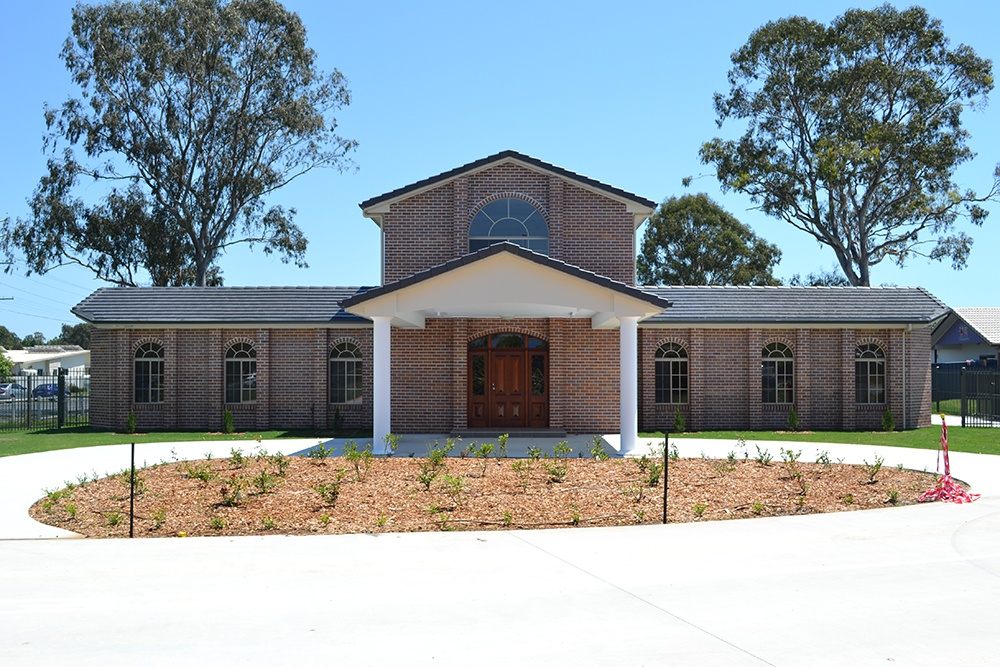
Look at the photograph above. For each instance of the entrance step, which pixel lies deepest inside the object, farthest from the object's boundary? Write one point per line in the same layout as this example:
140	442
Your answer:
468	433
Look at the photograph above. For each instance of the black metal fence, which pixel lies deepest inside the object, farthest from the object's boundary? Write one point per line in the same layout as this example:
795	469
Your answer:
971	391
42	402
980	397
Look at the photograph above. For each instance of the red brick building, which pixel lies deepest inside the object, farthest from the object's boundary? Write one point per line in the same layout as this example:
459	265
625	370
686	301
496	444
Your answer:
509	303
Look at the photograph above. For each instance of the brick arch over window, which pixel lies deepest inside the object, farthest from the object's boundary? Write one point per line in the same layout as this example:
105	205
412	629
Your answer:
345	377
777	372
240	361
870	372
147	370
509	217
510	329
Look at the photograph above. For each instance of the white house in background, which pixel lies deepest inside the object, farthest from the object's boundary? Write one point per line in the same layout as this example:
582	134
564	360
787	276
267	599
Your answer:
968	335
47	359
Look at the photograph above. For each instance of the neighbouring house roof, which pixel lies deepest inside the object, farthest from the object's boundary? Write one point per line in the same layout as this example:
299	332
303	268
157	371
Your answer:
221	305
985	321
692	305
506	156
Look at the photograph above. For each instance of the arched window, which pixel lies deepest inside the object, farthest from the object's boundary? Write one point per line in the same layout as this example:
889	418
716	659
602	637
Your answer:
671	374
345	373
510	219
148	365
777	374
241	373
869	374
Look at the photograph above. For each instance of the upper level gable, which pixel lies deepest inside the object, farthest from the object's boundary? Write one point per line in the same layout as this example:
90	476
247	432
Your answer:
588	224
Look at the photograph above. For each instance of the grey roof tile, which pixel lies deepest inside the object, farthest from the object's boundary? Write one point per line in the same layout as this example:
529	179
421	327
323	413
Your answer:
223	305
797	305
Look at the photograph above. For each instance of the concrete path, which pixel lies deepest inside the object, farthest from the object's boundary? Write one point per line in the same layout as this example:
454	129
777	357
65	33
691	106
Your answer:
916	585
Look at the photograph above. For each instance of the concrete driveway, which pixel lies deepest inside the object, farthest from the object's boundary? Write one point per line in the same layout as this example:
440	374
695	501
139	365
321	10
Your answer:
904	586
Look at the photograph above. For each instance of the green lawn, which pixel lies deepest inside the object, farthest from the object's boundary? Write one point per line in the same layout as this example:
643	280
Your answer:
21	442
973	440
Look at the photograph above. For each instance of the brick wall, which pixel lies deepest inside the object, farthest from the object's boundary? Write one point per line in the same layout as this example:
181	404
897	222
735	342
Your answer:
724	379
585	229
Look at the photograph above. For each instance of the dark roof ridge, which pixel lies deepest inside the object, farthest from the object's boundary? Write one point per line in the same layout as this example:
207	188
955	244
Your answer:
497	157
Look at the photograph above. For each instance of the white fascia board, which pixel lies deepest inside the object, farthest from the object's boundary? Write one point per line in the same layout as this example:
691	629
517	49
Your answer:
203	326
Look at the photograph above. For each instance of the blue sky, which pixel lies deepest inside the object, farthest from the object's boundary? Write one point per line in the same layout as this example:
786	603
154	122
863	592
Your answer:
621	92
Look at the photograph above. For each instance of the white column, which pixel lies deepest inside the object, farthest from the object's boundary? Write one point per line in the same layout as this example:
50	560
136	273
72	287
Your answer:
382	382
629	372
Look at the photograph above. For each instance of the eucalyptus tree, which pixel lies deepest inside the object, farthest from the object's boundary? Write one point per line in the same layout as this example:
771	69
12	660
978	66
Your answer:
854	132
691	240
191	113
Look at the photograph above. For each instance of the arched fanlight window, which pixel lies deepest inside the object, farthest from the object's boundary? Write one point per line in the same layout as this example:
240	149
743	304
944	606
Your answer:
241	373
345	373
869	374
148	366
509	219
777	374
671	374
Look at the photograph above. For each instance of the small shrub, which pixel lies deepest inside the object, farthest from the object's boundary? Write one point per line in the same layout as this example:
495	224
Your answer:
893	497
597	449
507	518
325	519
453	486
872	469
679	422
269	523
130	422
236	458
562	450
574	517
534	453
556	471
482	452
382	520
391	441
757	508
823	458
640	515
848	499
888	421
159	518
523	469
338	421
71	511
793	419
265	482
328	492
113	518
200	471
675	453
428	473
763	456
360	459
502	445
281	463
699	509
217	523
319	453
234	490
722	467
228	426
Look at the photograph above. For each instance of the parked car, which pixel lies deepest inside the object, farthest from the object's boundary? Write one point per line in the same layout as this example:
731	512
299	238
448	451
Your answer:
47	391
12	390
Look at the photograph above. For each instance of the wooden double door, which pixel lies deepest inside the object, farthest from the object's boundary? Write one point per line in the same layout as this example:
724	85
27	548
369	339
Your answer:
508	382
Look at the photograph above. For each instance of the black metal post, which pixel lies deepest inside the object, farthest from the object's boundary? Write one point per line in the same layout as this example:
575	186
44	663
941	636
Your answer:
131	502
61	399
666	472
961	391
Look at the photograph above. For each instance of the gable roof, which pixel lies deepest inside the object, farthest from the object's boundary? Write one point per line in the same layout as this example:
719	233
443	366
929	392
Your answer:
492	160
222	305
693	305
514	249
985	321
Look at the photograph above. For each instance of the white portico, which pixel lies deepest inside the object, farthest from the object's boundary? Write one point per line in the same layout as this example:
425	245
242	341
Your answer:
506	281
